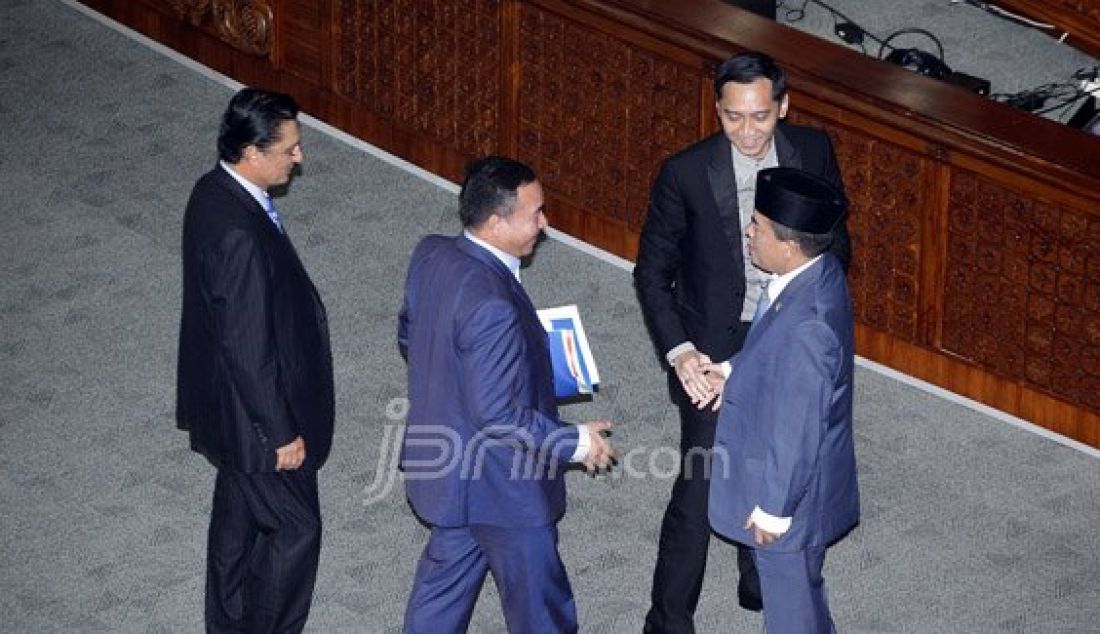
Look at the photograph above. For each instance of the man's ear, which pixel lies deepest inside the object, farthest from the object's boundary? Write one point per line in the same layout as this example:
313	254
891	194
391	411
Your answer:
491	224
793	248
783	105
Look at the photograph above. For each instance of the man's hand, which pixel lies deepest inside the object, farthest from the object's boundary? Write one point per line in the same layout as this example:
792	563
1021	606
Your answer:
689	369
759	535
601	455
290	456
715	376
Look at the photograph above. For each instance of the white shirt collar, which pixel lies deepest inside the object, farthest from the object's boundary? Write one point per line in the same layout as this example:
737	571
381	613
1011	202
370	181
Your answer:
255	191
509	260
779	282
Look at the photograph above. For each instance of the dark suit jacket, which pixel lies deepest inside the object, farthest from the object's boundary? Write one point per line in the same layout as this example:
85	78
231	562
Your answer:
255	367
483	442
784	435
690	272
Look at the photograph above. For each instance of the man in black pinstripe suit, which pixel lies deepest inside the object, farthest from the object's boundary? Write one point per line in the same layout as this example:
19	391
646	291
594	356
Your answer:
255	374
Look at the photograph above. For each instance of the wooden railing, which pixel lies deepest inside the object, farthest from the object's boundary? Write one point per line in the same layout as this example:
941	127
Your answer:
1079	20
976	228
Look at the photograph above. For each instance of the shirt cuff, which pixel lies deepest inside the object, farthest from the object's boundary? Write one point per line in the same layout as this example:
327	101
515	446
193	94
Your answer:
671	355
727	369
770	523
583	442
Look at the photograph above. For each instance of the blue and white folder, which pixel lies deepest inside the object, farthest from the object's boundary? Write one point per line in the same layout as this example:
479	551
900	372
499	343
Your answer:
574	366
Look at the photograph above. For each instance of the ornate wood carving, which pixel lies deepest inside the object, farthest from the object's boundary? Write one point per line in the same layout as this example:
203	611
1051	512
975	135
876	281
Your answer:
1022	294
434	67
883	182
598	114
191	10
245	24
354	32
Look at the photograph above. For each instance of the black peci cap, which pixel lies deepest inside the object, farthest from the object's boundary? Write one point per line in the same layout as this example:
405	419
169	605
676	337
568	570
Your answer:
799	200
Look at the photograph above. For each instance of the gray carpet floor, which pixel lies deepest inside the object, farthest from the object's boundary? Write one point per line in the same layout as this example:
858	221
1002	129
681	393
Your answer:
970	524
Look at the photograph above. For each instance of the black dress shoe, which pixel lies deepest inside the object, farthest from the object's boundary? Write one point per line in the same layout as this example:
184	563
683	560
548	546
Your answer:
749	602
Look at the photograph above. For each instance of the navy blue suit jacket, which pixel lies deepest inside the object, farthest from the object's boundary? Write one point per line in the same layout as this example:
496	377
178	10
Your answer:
483	442
255	366
784	435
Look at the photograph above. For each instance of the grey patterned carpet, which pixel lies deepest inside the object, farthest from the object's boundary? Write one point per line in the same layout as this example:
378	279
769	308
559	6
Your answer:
970	524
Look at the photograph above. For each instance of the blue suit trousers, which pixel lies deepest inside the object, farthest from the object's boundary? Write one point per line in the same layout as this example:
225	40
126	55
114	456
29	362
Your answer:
529	574
794	591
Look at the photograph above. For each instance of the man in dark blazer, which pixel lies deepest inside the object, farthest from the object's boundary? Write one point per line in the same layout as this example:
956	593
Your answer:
255	382
484	447
698	291
784	466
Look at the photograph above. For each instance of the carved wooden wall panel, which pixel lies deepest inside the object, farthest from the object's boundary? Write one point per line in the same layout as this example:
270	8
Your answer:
354	68
885	184
433	67
976	228
597	114
246	25
304	36
1022	295
191	10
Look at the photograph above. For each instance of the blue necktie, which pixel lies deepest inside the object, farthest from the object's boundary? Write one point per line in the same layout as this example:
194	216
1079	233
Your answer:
271	213
761	306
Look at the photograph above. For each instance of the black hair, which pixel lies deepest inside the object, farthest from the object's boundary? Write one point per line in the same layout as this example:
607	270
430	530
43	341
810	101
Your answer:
490	188
253	118
745	68
811	244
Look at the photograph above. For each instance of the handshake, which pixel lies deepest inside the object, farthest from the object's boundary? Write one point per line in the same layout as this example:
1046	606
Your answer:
702	379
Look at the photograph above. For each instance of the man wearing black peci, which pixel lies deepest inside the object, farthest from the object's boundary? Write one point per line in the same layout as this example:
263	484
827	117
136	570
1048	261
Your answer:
698	291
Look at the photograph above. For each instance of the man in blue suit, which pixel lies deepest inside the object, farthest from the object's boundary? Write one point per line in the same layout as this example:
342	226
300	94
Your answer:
484	448
784	471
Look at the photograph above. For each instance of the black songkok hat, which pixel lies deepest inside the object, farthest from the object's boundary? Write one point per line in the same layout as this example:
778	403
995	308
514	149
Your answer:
799	200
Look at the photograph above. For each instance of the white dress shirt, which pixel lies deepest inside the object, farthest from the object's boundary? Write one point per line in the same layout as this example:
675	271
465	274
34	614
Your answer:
256	192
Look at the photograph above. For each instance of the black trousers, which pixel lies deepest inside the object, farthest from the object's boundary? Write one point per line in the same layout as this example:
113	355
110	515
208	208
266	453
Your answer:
685	535
262	551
